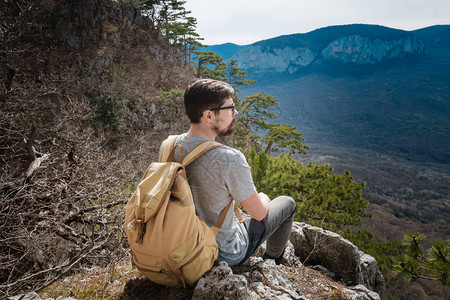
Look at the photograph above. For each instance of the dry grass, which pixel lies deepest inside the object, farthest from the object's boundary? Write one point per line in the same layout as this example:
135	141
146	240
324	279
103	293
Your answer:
313	284
122	282
118	281
95	283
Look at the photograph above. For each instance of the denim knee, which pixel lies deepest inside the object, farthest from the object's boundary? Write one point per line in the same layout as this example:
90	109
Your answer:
290	202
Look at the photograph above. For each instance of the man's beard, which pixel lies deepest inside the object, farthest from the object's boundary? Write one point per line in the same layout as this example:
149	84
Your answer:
228	131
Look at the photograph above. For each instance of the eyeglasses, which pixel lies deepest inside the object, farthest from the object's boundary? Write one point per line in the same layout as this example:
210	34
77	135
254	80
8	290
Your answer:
232	107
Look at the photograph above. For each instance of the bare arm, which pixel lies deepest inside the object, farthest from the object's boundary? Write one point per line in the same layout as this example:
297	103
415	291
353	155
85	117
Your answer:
257	205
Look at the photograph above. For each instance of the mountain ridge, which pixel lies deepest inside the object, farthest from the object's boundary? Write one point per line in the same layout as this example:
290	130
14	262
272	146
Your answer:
326	33
397	86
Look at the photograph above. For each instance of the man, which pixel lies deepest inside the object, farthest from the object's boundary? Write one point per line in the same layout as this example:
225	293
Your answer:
223	173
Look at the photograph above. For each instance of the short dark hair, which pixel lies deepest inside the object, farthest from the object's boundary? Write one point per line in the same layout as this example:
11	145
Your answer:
202	94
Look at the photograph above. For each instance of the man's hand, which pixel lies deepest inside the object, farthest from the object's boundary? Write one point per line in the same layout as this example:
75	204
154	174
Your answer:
257	205
264	197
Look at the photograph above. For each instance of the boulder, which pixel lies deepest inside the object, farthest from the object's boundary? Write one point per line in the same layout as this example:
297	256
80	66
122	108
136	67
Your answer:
268	282
315	246
221	283
371	276
35	296
360	292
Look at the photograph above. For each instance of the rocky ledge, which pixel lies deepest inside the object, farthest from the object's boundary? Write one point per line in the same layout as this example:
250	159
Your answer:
324	250
336	269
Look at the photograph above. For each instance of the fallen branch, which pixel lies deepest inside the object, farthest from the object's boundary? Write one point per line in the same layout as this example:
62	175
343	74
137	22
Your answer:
37	161
35	165
80	212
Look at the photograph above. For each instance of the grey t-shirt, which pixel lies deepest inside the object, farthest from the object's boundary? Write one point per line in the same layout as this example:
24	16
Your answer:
215	178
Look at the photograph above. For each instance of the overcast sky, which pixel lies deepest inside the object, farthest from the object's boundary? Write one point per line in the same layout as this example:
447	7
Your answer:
247	21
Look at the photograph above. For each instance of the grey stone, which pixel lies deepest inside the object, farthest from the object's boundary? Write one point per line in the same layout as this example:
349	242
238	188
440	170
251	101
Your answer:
280	60
323	270
316	246
267	271
29	296
35	296
371	276
225	285
291	59
360	292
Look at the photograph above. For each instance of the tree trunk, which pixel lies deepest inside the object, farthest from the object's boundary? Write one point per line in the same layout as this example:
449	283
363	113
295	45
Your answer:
268	148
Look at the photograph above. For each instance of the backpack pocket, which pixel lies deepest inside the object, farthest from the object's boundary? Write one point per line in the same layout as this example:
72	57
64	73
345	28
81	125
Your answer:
193	258
155	269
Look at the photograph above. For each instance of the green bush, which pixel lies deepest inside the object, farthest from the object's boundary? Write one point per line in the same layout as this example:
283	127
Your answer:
168	98
110	112
324	199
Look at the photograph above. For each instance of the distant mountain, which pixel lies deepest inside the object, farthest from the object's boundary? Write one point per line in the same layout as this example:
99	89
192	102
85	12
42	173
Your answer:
365	86
364	43
354	44
438	35
226	50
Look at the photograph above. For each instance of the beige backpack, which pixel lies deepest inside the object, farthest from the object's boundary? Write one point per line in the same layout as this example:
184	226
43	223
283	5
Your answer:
170	244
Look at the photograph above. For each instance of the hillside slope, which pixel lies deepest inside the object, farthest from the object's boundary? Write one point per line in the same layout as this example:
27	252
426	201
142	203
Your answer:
80	121
359	85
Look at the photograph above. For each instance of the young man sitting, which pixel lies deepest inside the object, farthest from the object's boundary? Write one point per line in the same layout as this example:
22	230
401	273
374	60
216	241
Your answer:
223	173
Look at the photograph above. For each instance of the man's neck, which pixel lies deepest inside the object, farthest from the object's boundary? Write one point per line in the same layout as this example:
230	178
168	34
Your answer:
197	130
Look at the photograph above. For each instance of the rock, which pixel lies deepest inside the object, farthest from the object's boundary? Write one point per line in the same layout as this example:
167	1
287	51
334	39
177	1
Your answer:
29	296
263	59
323	270
268	282
338	255
291	58
289	257
321	247
371	276
362	50
35	296
270	273
360	292
225	285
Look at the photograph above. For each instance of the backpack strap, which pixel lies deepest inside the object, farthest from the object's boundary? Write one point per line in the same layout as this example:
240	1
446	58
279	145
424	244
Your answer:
223	215
238	214
221	219
199	150
167	148
167	153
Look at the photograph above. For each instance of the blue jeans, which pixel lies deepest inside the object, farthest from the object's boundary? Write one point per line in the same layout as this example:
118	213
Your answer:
275	227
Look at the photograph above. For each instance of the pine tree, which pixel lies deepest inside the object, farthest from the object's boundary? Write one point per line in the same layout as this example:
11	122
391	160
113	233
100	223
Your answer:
237	77
414	264
331	201
210	65
191	40
256	111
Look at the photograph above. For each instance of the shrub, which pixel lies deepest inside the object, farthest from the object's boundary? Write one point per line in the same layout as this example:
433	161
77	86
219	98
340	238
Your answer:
110	112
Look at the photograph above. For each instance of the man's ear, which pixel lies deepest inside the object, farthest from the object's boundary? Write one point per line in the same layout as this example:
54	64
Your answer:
208	116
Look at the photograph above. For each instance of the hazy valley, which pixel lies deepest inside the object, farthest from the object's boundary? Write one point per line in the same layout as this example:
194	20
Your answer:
373	100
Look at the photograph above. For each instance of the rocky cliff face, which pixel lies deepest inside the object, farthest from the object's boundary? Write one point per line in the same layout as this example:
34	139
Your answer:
272	59
349	49
362	50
